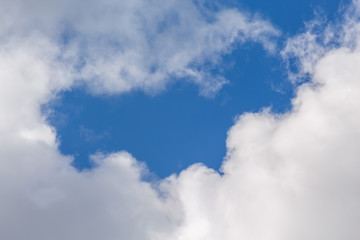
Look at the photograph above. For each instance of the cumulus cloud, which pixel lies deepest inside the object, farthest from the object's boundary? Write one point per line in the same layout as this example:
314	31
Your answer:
291	176
285	176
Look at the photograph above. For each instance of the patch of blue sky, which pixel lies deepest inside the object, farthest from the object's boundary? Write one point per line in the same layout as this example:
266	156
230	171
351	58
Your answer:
176	128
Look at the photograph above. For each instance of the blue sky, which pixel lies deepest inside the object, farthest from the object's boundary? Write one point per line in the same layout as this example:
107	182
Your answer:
173	129
202	120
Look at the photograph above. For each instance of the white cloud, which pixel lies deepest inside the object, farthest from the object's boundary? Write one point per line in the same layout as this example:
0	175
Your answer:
291	176
306	49
112	46
119	46
288	176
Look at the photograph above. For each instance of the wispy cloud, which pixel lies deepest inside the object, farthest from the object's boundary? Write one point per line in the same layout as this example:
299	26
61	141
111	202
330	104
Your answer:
303	51
118	46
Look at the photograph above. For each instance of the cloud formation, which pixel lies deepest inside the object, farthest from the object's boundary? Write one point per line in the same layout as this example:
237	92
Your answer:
285	176
119	46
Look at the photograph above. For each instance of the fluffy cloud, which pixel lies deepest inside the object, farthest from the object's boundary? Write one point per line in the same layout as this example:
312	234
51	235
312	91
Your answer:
287	176
110	46
118	46
291	176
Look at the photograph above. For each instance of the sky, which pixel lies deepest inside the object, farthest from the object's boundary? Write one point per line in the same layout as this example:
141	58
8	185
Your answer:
179	120
176	128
